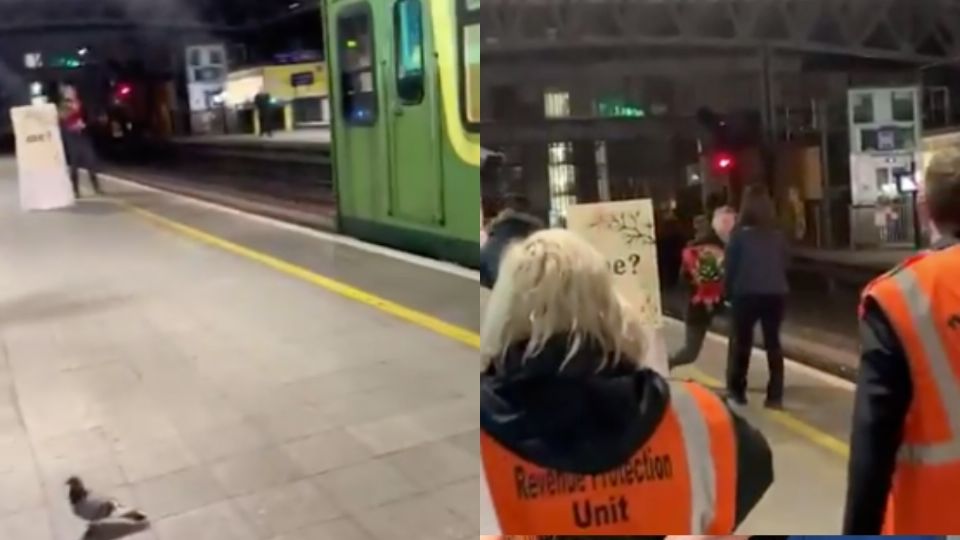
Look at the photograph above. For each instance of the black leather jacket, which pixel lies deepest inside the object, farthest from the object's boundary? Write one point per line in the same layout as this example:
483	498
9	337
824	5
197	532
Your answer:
510	226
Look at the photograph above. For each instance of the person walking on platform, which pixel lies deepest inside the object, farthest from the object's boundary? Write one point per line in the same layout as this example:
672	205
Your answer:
512	224
756	281
702	272
77	143
263	105
904	469
578	436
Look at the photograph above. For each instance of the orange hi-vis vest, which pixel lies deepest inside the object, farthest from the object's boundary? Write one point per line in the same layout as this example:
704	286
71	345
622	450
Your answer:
682	481
921	299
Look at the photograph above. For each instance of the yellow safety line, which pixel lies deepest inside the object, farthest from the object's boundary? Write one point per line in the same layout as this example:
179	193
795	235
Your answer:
787	420
452	331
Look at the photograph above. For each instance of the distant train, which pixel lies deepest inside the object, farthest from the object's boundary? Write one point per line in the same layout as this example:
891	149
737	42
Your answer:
406	110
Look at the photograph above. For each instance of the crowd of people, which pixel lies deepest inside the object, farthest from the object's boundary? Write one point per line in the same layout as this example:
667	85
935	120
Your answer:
581	433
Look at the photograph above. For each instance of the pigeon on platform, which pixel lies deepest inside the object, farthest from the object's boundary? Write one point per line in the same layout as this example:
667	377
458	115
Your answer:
93	507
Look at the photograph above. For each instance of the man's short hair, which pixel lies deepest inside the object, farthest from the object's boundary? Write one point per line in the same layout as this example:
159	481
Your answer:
942	191
518	202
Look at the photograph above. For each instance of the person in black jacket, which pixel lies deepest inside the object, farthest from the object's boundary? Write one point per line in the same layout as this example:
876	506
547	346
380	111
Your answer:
702	258
512	224
263	104
884	382
756	283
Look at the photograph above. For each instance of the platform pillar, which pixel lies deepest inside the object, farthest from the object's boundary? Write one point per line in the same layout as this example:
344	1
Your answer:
288	117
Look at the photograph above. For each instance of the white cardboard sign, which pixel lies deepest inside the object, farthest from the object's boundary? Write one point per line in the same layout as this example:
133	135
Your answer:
41	160
625	233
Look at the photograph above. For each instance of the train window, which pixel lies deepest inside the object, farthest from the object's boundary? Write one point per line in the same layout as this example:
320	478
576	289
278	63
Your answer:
470	77
408	27
355	43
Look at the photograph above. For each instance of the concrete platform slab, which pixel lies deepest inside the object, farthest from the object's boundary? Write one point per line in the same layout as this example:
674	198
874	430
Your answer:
203	386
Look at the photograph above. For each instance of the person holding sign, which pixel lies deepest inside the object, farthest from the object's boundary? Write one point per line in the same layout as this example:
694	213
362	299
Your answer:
80	152
578	435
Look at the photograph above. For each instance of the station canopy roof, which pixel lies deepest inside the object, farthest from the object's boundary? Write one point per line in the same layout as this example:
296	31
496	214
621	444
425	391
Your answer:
30	15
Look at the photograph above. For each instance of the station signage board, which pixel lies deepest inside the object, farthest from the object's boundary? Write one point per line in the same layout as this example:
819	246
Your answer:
884	123
886	140
303	78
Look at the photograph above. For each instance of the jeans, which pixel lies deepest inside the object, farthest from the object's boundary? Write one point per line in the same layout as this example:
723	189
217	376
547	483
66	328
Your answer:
80	153
266	123
768	310
696	326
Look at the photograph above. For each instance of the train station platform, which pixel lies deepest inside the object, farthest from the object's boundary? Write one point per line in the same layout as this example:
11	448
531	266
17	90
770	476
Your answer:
873	260
809	440
304	138
231	374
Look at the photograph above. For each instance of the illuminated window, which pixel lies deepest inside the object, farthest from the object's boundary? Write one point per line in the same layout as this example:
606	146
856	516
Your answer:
863	109
556	104
470	63
408	25
33	60
901	104
562	174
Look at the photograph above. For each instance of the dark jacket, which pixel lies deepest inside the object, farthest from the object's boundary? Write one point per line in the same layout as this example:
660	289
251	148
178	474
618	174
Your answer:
756	263
883	396
509	227
584	422
261	101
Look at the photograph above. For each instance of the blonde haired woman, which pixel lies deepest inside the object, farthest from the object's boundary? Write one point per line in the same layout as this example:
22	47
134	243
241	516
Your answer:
578	435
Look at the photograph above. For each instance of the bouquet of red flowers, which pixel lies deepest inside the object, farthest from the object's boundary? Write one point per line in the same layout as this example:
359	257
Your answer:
704	265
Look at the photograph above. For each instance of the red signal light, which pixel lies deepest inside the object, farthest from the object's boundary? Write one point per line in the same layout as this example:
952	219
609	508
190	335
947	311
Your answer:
724	162
124	90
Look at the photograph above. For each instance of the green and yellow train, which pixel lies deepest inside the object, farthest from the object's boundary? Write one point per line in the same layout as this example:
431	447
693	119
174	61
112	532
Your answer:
406	109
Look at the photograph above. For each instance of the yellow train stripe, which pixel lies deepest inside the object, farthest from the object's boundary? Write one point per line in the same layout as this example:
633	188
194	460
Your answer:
448	65
429	322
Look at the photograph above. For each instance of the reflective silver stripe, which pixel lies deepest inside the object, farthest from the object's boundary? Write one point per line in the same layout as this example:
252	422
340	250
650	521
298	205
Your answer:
696	442
948	389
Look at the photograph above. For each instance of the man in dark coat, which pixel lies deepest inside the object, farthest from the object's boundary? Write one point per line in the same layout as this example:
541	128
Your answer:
262	102
513	224
702	273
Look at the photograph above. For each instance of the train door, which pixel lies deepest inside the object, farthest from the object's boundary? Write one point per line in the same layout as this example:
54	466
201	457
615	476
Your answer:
414	121
363	190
